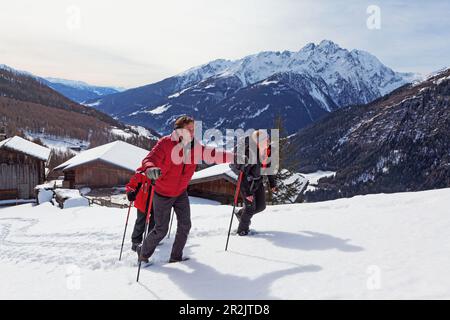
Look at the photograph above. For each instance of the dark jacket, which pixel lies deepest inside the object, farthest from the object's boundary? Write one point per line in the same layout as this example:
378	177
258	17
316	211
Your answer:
252	178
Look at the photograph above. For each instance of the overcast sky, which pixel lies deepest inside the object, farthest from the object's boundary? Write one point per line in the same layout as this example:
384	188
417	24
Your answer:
136	42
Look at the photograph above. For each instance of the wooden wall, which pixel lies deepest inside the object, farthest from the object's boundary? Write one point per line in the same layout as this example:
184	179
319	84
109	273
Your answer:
69	179
220	190
19	174
98	175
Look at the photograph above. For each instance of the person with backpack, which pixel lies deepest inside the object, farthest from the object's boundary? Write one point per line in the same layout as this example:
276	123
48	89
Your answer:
252	187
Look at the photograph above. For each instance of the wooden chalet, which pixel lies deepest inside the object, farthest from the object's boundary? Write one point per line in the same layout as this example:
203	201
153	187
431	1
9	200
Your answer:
217	183
22	167
106	166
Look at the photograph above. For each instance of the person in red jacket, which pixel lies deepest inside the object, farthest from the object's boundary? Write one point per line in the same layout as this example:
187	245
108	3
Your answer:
138	191
171	164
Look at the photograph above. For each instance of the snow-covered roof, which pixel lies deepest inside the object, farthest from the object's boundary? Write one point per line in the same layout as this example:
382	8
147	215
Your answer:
27	147
118	153
213	172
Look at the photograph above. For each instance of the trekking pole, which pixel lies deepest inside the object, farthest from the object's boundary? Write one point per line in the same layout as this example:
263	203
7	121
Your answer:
236	196
171	221
147	219
125	231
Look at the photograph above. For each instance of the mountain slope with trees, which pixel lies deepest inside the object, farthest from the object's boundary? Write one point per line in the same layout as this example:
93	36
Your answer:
400	142
29	106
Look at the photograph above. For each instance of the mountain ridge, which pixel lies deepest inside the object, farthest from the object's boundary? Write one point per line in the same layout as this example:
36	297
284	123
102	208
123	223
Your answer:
337	74
79	91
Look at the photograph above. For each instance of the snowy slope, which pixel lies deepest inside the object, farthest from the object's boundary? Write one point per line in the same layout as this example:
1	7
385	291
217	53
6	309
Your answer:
314	177
62	144
378	246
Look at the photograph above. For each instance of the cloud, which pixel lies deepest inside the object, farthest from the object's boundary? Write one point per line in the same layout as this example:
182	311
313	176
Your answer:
134	43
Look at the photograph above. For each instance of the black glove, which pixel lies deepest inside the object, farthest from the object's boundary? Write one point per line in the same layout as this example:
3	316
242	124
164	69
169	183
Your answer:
131	195
153	173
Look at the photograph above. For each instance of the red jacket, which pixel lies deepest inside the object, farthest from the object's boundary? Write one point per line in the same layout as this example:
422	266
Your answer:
175	177
141	198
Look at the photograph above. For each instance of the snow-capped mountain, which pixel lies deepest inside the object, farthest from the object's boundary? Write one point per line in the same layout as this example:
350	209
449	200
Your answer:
326	60
308	83
79	91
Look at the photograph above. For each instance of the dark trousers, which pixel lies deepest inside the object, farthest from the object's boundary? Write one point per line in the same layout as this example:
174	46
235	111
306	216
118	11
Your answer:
251	208
139	226
162	207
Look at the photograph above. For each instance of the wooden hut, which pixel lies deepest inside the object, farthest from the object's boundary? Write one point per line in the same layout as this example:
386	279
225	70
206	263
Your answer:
22	167
217	183
106	166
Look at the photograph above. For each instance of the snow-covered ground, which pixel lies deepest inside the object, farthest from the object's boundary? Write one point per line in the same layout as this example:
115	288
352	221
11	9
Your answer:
121	133
143	132
314	177
15	201
62	144
377	246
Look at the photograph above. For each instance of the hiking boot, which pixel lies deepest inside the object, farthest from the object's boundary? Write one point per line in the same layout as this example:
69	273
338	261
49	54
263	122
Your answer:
175	260
140	257
243	233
